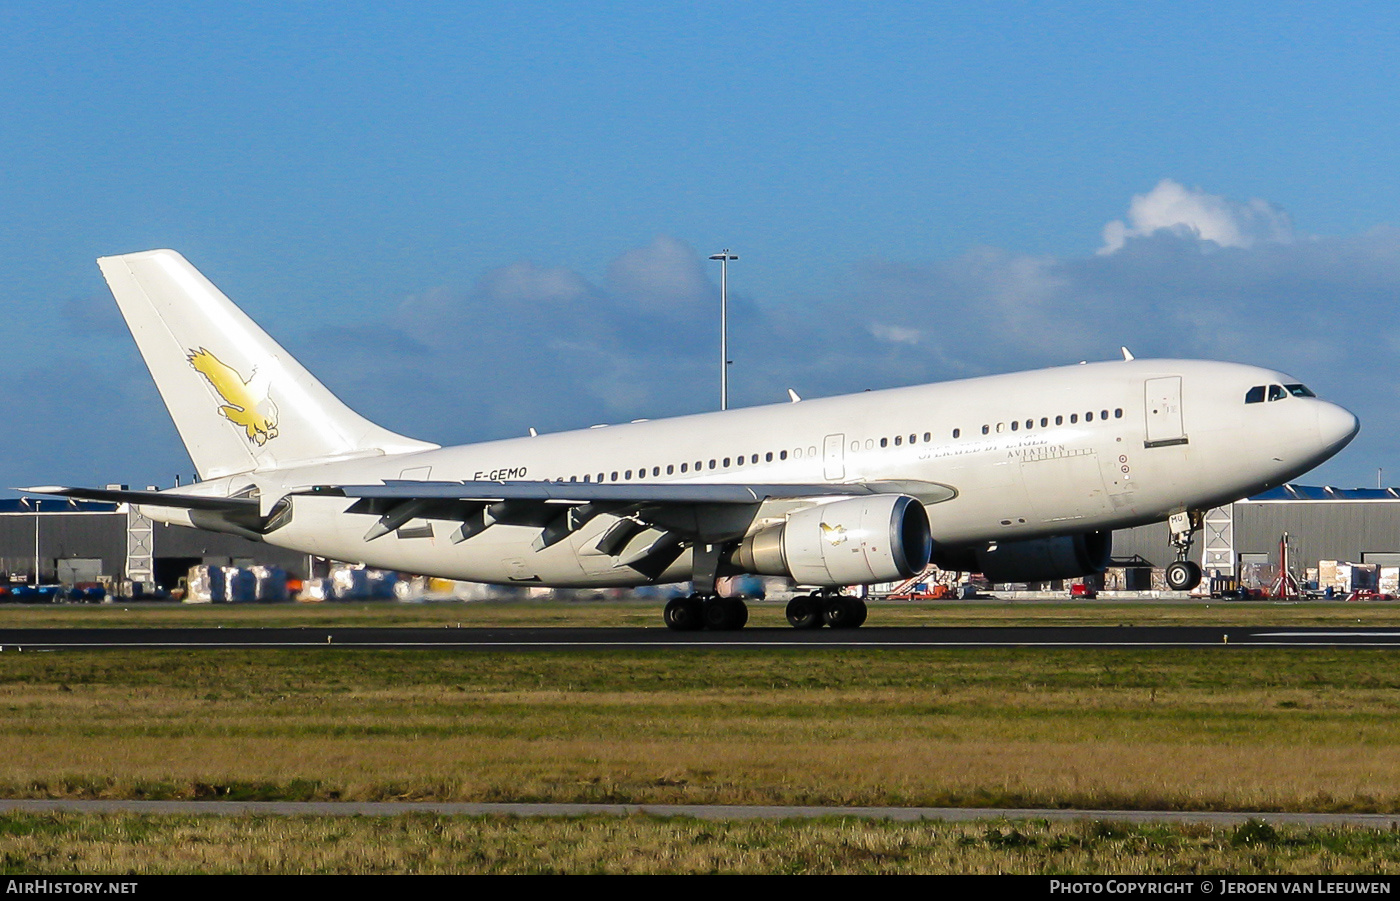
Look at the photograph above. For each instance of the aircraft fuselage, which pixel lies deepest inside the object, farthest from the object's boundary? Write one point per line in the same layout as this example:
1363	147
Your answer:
1030	455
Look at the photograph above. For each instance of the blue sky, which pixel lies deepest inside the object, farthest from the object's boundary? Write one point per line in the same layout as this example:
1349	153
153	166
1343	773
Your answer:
475	218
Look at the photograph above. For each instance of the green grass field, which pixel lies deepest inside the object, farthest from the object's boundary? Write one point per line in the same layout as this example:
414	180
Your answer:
116	844
1218	729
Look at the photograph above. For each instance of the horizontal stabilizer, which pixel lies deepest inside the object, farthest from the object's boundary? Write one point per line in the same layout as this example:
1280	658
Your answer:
151	498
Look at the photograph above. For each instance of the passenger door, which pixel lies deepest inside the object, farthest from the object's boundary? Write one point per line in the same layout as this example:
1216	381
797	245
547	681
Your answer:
1164	421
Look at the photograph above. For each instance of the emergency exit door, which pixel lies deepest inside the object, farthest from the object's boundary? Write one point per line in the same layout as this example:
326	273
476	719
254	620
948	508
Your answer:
834	457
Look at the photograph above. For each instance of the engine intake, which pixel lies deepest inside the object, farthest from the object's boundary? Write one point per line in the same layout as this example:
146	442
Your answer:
856	541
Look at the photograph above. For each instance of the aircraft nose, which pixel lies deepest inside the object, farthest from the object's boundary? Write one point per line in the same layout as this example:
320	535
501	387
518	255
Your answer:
1336	426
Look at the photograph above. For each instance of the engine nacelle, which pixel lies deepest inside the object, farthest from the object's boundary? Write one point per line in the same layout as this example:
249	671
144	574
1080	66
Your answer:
881	538
1041	559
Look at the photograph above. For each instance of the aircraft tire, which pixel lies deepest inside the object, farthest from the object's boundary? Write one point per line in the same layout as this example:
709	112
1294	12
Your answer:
684	614
1183	575
844	612
725	614
804	613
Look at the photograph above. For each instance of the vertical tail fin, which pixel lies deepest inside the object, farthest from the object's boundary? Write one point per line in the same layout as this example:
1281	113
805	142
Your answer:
239	401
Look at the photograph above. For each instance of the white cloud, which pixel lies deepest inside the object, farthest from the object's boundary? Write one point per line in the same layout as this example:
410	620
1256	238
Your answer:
1193	212
665	273
895	334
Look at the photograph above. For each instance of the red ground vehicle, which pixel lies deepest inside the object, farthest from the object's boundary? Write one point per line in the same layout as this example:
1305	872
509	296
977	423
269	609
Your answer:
1366	594
1083	591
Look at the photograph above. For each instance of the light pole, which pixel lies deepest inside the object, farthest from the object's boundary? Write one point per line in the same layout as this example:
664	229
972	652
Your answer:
35	501
724	256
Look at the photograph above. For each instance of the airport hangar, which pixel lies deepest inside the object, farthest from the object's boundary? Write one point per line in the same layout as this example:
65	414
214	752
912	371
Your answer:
82	541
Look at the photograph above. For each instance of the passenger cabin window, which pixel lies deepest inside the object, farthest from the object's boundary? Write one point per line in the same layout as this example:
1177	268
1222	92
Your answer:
1254	395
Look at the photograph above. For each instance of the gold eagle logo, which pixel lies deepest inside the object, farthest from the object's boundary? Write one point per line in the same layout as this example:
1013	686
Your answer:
246	403
836	535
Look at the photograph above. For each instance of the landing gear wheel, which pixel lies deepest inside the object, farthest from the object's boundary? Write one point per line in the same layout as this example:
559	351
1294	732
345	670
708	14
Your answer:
842	612
725	614
1183	575
684	614
805	613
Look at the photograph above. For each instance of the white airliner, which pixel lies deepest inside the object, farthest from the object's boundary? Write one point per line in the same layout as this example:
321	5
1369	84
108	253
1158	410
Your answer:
1022	477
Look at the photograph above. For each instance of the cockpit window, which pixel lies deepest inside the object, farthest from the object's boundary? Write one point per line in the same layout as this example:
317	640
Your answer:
1276	392
1255	395
1299	391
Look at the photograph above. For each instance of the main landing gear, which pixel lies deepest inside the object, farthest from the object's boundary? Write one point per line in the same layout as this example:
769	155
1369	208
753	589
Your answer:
706	611
826	607
1184	574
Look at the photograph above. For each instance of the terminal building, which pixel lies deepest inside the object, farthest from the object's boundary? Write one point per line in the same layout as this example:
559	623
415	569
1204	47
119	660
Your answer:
85	542
76	542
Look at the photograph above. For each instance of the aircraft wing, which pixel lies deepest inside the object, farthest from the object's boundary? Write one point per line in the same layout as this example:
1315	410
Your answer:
652	521
637	492
678	511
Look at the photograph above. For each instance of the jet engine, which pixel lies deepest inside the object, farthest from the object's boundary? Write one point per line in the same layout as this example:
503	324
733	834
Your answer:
881	538
1036	560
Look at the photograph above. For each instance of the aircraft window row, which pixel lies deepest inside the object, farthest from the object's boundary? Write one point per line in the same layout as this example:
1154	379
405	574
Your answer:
1259	393
643	472
896	441
1028	424
672	469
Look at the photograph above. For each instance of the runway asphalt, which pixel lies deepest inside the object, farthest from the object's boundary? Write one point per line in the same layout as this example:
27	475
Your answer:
528	639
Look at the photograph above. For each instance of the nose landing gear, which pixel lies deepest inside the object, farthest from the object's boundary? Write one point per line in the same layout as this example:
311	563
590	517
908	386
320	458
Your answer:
1184	574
